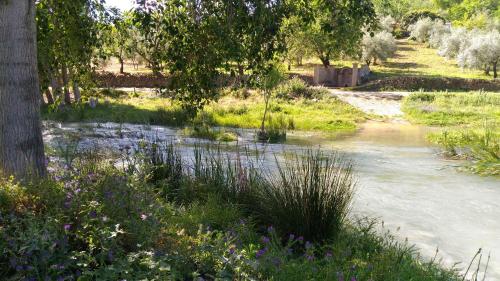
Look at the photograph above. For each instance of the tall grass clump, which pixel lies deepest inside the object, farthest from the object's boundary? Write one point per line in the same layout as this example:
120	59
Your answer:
310	195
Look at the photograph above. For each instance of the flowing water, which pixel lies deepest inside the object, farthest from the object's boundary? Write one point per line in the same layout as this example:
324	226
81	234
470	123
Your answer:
402	180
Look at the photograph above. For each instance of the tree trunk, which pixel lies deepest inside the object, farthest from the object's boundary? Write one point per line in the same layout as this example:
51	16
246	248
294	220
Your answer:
49	97
56	88
76	92
21	143
67	94
325	61
267	97
487	70
122	62
495	74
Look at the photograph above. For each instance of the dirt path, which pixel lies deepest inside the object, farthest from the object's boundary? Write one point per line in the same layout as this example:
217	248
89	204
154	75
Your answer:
386	104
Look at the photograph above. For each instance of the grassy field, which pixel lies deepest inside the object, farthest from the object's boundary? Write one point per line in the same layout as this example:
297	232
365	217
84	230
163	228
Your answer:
327	114
470	122
411	59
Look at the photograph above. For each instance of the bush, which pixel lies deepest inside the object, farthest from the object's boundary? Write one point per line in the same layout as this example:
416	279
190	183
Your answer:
296	88
310	196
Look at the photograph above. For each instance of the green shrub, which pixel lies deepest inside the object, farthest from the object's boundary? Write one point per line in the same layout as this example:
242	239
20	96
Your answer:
296	88
310	195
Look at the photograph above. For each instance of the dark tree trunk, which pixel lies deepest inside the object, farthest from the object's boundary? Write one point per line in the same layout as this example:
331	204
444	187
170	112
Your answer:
495	74
325	61
122	62
49	97
21	143
67	94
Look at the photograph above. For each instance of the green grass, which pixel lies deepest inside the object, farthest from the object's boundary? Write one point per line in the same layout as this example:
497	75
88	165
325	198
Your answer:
327	114
470	122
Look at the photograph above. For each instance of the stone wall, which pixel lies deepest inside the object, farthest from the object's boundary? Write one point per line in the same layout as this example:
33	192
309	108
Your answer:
340	77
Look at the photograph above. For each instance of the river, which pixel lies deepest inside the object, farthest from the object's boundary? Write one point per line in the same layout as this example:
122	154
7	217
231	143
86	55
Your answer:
402	179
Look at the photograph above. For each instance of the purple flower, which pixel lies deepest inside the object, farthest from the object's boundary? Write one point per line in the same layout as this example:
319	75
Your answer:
353	279
301	238
265	240
270	229
340	276
231	250
67	227
261	252
93	214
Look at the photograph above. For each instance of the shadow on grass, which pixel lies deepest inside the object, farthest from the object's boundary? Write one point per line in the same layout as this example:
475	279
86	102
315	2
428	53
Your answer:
120	113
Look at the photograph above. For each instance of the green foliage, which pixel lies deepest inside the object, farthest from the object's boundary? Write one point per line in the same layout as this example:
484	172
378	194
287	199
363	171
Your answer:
471	125
68	37
296	88
414	17
205	42
336	27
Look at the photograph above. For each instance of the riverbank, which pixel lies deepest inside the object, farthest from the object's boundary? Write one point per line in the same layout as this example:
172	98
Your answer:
470	125
175	220
236	109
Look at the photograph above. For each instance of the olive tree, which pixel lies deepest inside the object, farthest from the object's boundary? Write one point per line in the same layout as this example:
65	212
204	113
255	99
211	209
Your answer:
421	30
453	42
387	23
336	27
379	46
438	33
482	53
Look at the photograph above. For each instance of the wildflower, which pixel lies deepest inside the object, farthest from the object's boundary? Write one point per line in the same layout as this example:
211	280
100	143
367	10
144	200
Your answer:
353	279
301	238
105	219
266	240
143	217
231	250
93	214
261	252
67	227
